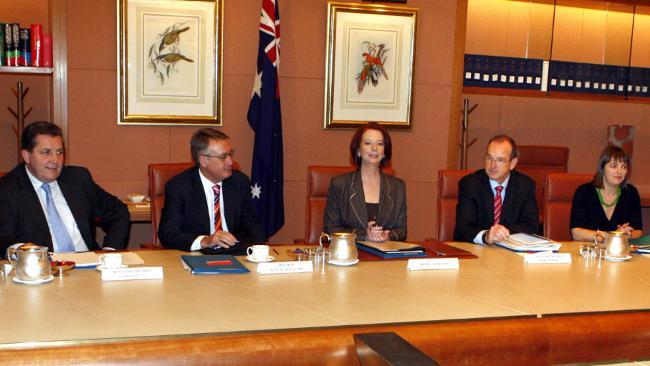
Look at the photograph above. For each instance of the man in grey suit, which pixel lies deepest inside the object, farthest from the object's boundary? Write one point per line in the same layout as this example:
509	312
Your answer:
496	201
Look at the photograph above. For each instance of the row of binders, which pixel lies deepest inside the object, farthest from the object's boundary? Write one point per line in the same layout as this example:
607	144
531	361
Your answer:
536	74
503	72
598	79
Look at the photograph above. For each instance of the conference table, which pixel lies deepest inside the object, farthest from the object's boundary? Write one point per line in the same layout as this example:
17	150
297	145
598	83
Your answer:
493	309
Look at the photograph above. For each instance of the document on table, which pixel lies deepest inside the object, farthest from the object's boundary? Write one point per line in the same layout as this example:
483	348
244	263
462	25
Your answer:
521	242
393	246
91	259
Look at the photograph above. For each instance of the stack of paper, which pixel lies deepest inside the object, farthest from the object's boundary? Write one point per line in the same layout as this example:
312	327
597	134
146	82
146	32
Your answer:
91	259
529	243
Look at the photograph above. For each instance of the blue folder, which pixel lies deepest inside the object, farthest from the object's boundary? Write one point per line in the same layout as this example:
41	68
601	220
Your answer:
213	264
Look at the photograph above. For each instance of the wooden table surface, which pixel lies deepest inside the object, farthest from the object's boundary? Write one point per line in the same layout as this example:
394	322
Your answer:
497	285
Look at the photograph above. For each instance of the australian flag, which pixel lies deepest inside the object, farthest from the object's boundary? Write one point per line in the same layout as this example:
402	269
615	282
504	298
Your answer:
265	119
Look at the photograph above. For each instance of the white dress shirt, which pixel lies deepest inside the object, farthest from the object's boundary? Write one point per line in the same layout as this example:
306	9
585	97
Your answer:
478	239
209	197
64	211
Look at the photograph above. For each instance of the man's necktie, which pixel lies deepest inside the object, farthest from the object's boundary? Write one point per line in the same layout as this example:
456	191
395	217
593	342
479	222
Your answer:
63	239
498	203
217	208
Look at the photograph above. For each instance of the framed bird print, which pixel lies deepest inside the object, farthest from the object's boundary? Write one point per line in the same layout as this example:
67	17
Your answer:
369	65
169	62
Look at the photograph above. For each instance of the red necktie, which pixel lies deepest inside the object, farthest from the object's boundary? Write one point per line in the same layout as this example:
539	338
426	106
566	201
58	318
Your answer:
497	204
217	208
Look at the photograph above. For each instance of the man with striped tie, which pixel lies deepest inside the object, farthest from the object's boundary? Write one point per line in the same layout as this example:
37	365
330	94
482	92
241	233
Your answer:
208	207
51	204
496	201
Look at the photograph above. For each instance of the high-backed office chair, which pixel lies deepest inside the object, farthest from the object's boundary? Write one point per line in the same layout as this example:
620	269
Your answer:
318	182
2	173
159	174
557	203
447	199
536	161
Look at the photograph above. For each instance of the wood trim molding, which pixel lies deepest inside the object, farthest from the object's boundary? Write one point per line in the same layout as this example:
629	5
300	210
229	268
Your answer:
59	106
554	339
453	152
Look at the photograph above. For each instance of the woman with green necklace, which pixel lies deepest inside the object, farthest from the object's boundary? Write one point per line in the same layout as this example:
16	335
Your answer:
608	202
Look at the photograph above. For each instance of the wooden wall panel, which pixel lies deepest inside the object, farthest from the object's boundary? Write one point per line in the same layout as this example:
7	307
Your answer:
486	27
640	46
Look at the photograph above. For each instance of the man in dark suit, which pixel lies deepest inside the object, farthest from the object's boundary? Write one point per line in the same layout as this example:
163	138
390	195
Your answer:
208	207
496	201
44	202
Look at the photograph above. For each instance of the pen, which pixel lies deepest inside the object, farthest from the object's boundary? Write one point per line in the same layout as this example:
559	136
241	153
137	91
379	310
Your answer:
275	251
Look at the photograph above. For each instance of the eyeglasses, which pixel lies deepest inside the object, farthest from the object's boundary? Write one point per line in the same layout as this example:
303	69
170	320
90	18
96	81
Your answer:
499	161
223	156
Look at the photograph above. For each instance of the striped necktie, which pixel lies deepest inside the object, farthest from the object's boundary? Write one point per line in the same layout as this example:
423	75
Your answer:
63	239
498	203
217	208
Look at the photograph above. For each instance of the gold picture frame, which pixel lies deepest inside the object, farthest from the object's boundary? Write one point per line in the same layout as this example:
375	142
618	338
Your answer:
369	66
169	62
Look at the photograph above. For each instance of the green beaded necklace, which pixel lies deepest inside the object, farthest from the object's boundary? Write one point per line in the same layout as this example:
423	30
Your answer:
602	201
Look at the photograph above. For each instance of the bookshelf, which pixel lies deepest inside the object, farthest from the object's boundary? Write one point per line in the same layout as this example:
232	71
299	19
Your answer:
26	70
471	90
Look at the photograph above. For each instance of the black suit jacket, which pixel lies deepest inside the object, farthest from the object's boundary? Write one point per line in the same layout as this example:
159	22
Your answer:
346	206
475	208
185	214
22	218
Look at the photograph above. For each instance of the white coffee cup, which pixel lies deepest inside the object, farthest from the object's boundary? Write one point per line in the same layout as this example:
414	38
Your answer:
258	252
111	260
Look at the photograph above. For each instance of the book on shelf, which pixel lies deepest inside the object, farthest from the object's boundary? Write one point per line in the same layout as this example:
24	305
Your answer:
522	242
494	72
553	73
212	264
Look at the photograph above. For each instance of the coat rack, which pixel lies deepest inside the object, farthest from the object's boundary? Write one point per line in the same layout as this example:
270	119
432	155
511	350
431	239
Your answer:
464	144
20	114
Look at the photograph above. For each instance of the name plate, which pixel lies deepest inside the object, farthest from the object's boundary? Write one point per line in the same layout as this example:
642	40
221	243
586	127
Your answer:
285	267
432	263
135	273
547	258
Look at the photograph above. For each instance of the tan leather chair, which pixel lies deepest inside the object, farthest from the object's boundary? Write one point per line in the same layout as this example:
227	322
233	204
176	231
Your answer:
447	199
318	182
536	161
558	197
159	174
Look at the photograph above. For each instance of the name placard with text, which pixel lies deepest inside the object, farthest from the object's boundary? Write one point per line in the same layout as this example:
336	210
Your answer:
432	264
285	267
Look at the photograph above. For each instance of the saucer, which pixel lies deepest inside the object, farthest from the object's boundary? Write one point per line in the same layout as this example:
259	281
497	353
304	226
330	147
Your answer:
265	260
618	259
343	263
35	282
101	267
